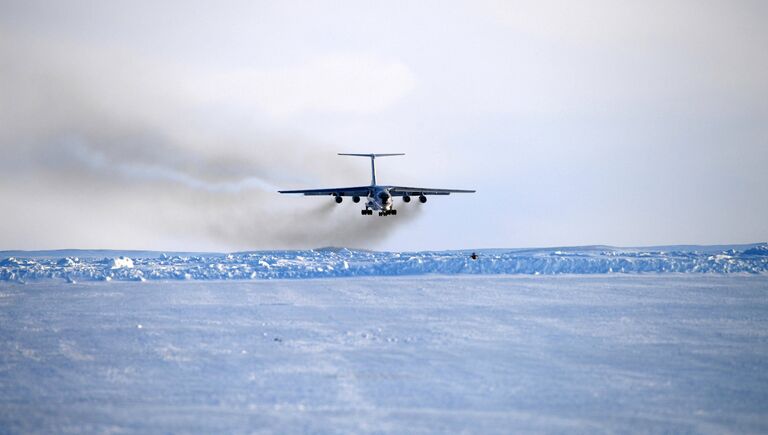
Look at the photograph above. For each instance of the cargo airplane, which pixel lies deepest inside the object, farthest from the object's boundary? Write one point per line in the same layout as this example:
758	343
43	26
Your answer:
378	197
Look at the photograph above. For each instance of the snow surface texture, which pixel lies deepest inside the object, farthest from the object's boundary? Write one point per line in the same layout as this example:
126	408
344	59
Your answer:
649	353
76	266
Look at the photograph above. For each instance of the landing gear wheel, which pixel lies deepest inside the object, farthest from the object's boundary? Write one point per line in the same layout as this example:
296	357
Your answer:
394	212
363	212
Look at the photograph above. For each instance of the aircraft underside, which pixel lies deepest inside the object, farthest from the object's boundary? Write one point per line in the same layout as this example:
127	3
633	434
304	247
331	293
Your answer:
383	204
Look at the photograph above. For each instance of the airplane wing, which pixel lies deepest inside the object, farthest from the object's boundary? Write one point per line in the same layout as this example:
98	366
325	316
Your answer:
416	191
338	191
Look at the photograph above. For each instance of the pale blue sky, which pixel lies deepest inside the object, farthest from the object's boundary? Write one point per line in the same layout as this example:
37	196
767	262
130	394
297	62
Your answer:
137	125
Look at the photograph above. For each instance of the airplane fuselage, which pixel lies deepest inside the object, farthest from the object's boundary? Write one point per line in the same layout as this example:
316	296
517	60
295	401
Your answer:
379	199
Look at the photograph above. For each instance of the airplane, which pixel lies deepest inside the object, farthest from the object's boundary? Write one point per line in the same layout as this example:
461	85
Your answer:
379	198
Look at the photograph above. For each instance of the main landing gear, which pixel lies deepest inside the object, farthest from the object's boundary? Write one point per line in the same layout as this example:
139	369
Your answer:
369	212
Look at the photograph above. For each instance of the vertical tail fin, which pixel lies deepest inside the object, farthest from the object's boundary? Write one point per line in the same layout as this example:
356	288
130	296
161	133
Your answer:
373	165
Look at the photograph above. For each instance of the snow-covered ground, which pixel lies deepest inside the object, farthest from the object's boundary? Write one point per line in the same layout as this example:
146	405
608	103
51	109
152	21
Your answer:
330	262
661	353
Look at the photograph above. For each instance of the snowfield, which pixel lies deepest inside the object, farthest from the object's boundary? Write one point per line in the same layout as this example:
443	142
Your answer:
659	353
330	262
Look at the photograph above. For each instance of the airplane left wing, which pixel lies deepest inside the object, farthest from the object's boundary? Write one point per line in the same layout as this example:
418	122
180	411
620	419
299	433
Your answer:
417	191
338	191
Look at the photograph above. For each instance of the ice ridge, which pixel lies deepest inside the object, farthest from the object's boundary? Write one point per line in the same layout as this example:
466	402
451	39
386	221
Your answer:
341	262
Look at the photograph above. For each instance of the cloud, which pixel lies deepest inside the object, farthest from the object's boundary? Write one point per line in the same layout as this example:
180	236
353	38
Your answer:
600	56
577	122
118	151
332	83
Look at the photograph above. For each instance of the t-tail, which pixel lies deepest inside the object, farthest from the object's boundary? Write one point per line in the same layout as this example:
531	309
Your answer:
373	164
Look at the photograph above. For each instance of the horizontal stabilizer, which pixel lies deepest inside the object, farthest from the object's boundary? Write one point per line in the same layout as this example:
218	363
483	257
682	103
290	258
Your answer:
371	155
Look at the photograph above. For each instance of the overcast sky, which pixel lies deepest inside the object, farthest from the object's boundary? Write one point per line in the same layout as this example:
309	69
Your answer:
169	125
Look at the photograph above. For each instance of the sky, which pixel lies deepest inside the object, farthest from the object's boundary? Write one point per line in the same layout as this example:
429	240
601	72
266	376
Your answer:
171	125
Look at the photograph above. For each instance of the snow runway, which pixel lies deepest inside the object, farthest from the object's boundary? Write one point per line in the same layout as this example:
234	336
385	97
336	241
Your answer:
635	353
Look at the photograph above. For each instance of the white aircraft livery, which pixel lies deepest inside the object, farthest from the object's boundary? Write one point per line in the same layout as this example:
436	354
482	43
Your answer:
379	198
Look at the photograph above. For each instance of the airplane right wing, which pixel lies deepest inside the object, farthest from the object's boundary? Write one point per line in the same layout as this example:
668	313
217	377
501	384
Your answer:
338	191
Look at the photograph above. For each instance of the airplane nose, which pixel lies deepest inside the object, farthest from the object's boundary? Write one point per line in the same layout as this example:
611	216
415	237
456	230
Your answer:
384	196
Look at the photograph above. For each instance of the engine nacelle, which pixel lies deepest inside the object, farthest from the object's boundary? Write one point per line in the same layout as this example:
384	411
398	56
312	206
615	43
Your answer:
423	199
406	198
339	199
355	199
